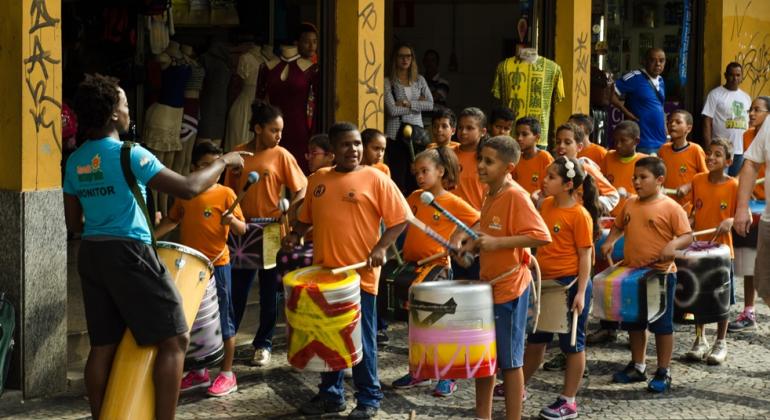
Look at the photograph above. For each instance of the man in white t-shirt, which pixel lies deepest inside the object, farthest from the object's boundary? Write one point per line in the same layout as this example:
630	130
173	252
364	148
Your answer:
726	114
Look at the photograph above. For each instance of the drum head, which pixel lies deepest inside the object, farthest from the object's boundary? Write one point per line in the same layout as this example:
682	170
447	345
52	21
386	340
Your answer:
321	276
185	250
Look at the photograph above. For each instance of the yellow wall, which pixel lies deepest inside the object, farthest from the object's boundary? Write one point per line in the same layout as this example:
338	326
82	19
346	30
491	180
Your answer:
738	30
30	94
573	53
360	63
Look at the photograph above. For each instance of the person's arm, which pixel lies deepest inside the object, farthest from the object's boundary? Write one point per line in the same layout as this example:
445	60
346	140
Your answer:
425	102
237	226
609	243
584	275
187	187
746	179
620	104
680	242
707	126
391	108
493	243
164	227
73	213
298	231
378	255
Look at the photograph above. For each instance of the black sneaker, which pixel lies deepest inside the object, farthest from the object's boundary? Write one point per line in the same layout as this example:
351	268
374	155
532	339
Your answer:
628	375
363	412
317	406
557	364
382	337
744	322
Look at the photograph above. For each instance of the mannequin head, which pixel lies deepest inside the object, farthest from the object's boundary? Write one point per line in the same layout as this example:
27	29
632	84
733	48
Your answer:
289	51
267	123
187	50
101	107
173	49
403	62
307	41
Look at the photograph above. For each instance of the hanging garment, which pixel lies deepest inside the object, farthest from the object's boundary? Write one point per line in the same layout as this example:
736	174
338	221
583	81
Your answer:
238	120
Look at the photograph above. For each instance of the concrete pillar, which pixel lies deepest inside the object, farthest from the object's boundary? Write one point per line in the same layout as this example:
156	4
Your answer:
360	69
573	54
33	249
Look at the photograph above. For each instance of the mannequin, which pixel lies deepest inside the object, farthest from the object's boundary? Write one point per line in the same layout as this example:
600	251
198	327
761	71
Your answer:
290	82
163	119
191	111
213	96
528	84
238	130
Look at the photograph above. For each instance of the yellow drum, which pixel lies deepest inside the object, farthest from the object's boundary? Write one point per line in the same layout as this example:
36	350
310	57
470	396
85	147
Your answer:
130	390
322	319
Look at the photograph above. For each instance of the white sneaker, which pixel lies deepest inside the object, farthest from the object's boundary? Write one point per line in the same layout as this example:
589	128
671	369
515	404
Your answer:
261	357
718	353
699	351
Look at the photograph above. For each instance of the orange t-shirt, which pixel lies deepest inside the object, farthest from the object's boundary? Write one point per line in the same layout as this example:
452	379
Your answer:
469	188
748	137
276	167
713	203
649	226
602	183
571	229
509	213
418	245
682	165
453	145
594	152
530	173
620	172
383	167
345	209
200	221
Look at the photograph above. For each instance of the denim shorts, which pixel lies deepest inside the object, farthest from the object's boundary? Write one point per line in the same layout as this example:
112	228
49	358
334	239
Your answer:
223	278
665	324
564	339
510	329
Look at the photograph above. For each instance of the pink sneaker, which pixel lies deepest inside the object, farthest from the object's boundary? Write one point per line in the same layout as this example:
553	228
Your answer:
194	380
223	386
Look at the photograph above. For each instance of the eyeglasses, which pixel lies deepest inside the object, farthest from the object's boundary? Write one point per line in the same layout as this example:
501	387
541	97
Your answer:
755	109
405	56
309	156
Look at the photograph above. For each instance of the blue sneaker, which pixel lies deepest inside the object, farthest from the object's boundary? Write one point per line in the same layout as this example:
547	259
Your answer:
628	375
661	382
445	388
408	381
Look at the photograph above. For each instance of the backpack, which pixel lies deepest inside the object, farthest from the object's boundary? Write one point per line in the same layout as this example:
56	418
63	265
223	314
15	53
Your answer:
7	325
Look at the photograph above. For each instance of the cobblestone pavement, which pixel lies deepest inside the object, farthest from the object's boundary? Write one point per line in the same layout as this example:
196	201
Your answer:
738	389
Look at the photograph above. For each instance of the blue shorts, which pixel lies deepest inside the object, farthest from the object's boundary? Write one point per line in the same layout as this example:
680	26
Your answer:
225	299
510	327
665	324
564	339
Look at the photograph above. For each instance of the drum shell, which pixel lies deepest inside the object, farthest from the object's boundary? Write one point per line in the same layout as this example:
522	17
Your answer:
703	284
130	390
555	315
451	330
206	347
757	207
629	294
393	293
310	327
299	257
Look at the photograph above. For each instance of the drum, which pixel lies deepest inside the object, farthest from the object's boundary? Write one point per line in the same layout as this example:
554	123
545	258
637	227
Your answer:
451	330
206	347
555	315
617	251
702	284
247	250
629	294
323	313
395	281
301	256
757	207
130	391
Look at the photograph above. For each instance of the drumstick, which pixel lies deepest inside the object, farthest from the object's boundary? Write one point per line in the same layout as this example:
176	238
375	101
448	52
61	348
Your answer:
670	191
438	238
759	180
428	198
407	131
283	206
704	232
573	333
433	257
263	220
355	266
251	180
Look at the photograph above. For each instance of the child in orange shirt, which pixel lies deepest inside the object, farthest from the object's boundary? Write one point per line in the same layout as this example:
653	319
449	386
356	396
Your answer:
374	149
530	170
655	226
435	170
471	128
442	128
501	121
345	208
714	195
567	260
590	149
683	159
319	153
276	168
509	225
618	165
205	227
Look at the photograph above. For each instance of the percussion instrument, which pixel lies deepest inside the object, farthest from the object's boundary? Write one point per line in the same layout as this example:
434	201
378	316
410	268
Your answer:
247	250
130	391
252	179
629	294
702	283
452	330
395	281
323	312
555	312
757	207
206	347
600	264
299	257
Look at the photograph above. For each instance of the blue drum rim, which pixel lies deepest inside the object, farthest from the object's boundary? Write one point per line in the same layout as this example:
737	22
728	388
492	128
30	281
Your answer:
186	250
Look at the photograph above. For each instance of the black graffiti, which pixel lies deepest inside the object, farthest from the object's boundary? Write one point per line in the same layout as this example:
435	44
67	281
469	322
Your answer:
581	71
369	15
371	68
39	11
436	310
372	110
756	62
373	106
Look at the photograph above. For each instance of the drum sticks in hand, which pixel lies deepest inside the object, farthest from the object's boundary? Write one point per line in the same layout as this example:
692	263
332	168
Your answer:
251	180
428	198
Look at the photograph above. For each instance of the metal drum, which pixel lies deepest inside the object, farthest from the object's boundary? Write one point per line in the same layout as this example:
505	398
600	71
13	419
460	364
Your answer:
555	314
323	313
206	347
130	391
757	207
451	330
629	294
393	293
617	251
702	283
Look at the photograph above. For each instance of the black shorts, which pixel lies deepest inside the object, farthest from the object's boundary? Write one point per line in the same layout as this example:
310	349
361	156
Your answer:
125	285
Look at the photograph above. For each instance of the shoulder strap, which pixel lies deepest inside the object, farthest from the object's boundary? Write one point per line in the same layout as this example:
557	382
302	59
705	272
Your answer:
125	164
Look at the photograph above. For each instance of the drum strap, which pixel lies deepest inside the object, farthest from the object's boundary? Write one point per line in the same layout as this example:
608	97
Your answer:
125	164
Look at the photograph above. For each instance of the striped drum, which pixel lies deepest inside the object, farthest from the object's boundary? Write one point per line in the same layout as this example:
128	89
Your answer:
629	294
206	347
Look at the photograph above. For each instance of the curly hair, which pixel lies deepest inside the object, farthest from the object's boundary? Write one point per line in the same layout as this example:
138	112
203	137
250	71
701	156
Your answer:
96	99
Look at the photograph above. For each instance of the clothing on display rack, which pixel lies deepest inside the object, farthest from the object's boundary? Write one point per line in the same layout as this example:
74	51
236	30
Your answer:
213	97
238	120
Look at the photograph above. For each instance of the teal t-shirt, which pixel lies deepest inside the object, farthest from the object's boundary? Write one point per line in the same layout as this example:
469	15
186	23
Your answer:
94	175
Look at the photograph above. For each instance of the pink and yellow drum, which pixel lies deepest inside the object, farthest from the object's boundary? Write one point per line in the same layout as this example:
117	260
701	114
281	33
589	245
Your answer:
702	283
629	294
206	347
451	330
130	391
323	312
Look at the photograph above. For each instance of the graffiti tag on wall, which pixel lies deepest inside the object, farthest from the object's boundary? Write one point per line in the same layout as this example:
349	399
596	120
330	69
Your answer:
753	55
582	61
370	79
